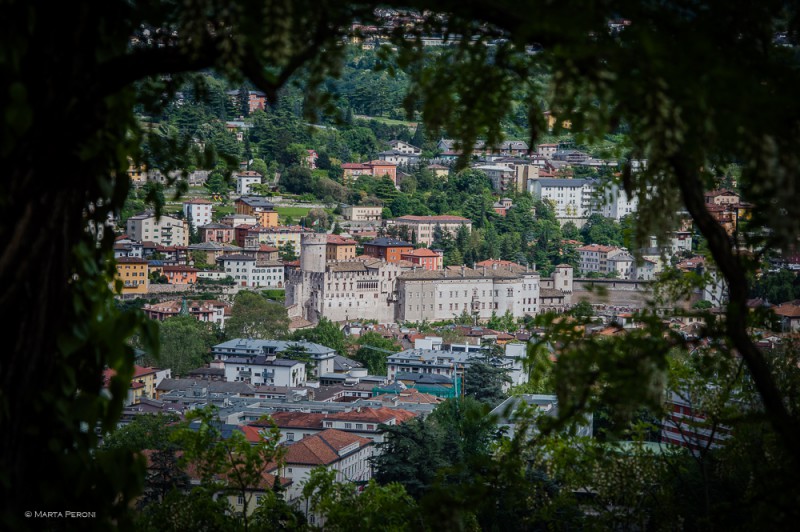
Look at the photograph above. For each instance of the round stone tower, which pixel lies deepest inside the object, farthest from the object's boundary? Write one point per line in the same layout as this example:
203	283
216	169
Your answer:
312	252
563	278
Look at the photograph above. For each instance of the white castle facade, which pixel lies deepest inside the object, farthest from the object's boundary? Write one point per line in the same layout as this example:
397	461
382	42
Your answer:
401	292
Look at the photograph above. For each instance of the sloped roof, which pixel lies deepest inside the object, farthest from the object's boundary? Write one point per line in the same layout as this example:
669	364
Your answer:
323	448
448	273
788	310
420	252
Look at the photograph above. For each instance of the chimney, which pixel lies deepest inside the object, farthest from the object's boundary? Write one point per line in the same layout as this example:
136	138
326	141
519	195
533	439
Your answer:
494	265
462	270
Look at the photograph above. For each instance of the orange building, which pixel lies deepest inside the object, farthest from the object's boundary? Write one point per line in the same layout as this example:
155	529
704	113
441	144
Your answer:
264	211
180	274
133	273
372	168
382	168
427	258
340	248
387	249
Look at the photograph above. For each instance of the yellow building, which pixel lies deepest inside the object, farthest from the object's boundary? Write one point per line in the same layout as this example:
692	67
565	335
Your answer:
133	274
144	382
339	248
137	174
276	236
552	120
259	207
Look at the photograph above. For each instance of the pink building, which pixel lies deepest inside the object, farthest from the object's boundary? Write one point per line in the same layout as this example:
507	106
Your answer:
427	258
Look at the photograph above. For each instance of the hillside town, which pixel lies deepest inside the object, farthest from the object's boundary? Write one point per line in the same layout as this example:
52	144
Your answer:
378	318
346	267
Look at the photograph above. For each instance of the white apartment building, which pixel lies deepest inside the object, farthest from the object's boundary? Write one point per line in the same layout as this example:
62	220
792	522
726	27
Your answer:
448	293
321	356
546	150
361	214
573	199
265	370
617	204
425	226
166	230
249	272
404	147
451	364
244	180
398	157
197	211
503	178
606	259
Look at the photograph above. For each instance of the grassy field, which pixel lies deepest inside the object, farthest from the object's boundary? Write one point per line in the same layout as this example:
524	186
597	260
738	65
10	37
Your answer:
294	212
388	121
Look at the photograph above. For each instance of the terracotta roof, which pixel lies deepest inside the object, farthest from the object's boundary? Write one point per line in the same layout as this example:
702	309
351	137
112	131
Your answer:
180	268
410	396
265	483
323	448
788	310
491	262
340	240
197	201
296	420
597	247
373	415
266	248
131	260
420	252
721	192
140	371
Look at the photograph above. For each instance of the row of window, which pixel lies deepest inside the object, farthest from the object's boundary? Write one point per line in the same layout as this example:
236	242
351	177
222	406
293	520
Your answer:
350	303
453	306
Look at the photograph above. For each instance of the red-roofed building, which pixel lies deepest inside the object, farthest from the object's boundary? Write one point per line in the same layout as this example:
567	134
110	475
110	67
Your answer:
345	453
210	311
789	314
238	502
383	168
376	169
424	227
605	259
722	197
340	248
143	383
180	274
362	421
214	232
427	258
